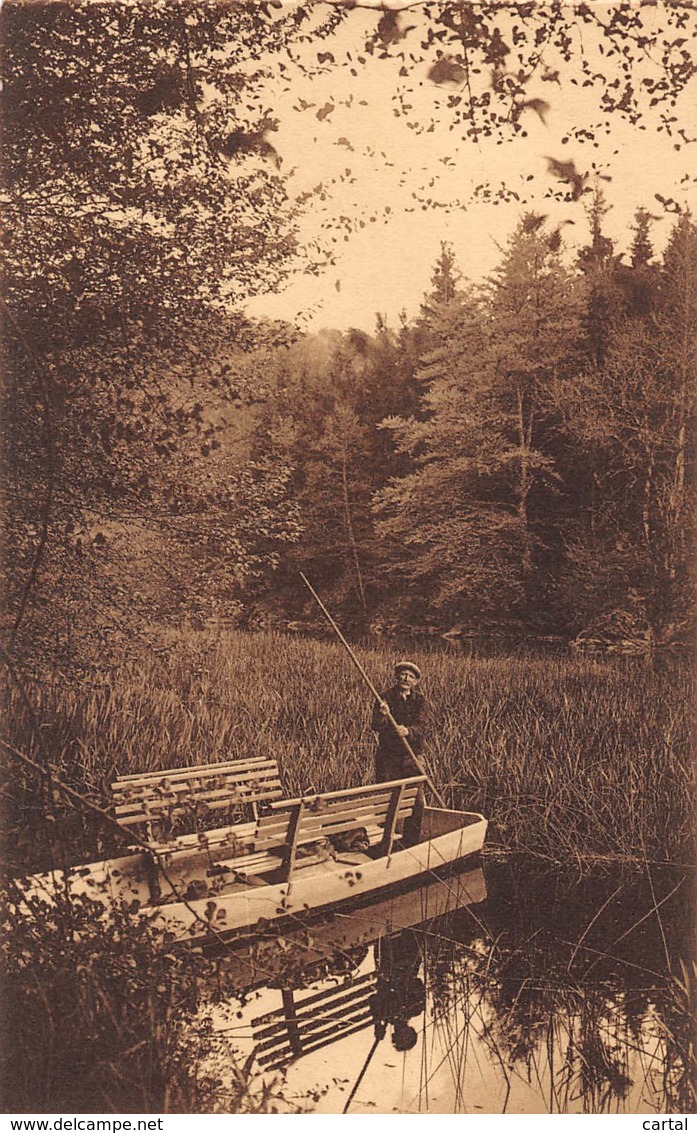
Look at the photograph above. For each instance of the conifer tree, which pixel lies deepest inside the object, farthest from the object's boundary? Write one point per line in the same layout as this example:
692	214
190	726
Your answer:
641	252
468	516
632	418
598	263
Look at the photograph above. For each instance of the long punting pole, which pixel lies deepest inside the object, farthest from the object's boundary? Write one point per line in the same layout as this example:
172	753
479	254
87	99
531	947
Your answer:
371	686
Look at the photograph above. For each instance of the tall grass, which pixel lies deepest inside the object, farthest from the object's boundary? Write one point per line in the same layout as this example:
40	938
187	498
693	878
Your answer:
567	757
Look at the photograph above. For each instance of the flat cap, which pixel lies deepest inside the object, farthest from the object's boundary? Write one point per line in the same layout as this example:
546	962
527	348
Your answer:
410	667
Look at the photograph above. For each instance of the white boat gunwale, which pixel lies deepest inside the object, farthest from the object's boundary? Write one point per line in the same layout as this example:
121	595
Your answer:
322	888
284	886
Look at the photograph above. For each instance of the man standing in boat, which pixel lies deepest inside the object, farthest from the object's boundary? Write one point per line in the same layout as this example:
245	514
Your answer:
408	709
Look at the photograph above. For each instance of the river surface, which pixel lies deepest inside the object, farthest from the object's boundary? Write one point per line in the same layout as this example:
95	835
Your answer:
503	989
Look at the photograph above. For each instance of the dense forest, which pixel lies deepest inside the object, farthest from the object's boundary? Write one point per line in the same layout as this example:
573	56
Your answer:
517	459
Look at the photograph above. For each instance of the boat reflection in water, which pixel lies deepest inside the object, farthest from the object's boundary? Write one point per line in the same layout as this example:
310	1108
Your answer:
446	1000
385	990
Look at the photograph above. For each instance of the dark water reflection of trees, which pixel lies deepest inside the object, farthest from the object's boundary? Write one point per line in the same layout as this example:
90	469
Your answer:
553	994
580	971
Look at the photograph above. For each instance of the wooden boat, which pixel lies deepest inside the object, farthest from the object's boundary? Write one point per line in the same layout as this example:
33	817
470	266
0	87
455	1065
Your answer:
302	856
445	839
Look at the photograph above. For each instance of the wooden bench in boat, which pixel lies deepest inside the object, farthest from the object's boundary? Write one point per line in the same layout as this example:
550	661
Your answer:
215	859
377	809
155	803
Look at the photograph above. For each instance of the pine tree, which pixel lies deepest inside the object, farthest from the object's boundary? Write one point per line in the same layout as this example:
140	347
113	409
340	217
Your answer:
598	262
444	281
535	309
597	256
426	332
640	279
641	252
632	419
465	523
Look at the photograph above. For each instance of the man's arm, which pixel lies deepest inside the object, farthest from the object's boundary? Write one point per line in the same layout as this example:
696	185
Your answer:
379	721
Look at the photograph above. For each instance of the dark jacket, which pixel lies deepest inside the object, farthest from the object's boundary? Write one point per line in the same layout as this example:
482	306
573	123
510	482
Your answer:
411	712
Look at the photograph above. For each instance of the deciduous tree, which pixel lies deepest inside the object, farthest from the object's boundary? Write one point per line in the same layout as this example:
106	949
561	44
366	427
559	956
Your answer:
143	199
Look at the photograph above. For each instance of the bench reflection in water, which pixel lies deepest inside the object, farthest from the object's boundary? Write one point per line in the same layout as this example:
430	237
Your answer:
384	999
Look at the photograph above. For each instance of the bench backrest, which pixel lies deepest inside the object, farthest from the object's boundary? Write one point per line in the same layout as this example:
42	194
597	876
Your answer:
295	822
165	798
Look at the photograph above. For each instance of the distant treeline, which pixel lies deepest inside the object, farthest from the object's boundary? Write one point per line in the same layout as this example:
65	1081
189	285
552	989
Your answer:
518	459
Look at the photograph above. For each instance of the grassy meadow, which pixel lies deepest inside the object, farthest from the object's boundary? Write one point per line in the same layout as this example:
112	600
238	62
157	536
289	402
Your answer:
570	758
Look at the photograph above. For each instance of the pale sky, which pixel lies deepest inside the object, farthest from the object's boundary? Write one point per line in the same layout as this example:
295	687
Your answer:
386	265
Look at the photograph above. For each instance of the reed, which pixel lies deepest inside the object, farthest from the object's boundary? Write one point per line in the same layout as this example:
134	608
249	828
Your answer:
568	757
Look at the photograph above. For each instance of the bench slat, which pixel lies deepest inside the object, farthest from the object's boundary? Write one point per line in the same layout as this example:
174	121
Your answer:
313	1029
162	799
269	824
338	828
310	832
336	806
124	781
221	835
158	814
350	791
256	862
317	807
368	816
216	855
184	794
237	793
185	787
220	801
165	787
245	843
286	1056
339	812
314	1026
317	998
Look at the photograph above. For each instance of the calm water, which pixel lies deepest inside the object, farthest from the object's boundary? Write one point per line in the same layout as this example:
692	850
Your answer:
511	989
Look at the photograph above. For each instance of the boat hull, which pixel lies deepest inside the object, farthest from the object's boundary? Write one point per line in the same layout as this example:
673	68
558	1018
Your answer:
345	879
119	880
251	962
447	838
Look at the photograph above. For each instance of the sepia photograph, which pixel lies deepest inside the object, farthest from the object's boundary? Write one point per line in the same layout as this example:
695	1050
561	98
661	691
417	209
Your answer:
349	448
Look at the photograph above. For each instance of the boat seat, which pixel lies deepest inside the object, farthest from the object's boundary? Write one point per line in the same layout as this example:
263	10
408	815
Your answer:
156	804
209	863
376	809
